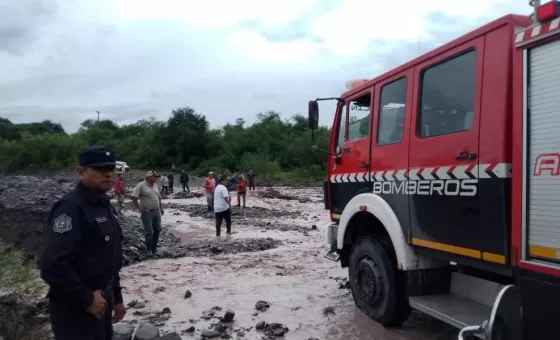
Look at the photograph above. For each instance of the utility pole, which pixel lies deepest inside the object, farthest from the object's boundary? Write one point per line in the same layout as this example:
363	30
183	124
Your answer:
97	116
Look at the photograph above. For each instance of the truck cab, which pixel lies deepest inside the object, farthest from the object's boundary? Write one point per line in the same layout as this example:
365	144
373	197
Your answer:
443	175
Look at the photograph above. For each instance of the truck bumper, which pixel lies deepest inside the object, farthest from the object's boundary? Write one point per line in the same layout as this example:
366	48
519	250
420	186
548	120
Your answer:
332	233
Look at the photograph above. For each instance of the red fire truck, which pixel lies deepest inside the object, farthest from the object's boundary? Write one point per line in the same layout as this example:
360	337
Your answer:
443	180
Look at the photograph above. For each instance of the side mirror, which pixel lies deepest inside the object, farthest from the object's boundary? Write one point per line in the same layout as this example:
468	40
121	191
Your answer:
313	115
506	318
338	153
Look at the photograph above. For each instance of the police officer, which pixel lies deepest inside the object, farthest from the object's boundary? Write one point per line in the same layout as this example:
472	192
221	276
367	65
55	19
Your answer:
83	255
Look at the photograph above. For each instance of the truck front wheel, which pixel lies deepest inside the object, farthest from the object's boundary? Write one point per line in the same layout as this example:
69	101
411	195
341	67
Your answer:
377	285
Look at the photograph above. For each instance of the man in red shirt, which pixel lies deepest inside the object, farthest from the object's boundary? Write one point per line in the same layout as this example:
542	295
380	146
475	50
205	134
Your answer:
209	187
119	192
241	189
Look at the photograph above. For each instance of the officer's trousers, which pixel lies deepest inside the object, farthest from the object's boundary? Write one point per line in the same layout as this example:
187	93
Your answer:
71	324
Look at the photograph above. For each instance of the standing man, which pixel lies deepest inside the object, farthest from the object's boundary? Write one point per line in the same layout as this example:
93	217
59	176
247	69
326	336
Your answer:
150	209
216	178
241	186
251	177
83	254
119	192
164	184
209	186
222	206
170	178
185	181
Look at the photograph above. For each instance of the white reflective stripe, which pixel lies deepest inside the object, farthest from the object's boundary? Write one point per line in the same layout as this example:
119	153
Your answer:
502	170
379	176
535	31
400	175
459	172
413	174
441	173
479	171
389	175
427	173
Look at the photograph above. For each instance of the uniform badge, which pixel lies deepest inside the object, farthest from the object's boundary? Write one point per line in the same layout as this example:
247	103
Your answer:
101	219
62	224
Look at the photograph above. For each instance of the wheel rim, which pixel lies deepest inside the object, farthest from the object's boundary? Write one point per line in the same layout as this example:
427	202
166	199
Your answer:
368	281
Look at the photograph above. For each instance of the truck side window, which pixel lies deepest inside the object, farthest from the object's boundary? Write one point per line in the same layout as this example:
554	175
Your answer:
447	96
358	125
342	126
391	112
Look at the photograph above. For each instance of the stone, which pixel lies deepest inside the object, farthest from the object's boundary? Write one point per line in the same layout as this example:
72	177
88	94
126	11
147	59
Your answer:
220	328
122	331
188	294
260	325
262	304
146	331
190	329
228	316
328	310
166	310
208	333
170	336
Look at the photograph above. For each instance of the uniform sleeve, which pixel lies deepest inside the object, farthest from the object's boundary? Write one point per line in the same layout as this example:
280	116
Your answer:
64	230
136	190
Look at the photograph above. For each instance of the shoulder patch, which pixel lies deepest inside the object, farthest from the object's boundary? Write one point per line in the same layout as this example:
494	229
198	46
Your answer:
62	224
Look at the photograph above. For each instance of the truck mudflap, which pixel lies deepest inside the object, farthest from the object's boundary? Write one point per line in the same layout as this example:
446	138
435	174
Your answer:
332	233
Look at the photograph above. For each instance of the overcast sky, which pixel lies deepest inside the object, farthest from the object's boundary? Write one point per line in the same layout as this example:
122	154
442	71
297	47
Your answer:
131	59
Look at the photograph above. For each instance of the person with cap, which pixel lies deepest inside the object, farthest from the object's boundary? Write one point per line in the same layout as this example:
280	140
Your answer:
83	254
209	186
170	179
150	209
222	206
251	177
164	184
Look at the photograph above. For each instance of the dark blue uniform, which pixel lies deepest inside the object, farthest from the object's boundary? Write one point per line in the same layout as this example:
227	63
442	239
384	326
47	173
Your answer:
83	254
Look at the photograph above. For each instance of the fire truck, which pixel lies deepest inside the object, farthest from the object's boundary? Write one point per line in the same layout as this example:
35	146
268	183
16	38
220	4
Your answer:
443	182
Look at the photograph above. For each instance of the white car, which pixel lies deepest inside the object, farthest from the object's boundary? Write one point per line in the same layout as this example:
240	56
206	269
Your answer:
120	165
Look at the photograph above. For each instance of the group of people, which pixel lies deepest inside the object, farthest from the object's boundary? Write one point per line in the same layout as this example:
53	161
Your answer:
83	253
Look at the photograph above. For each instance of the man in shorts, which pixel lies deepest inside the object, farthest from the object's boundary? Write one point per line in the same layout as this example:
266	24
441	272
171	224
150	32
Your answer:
222	206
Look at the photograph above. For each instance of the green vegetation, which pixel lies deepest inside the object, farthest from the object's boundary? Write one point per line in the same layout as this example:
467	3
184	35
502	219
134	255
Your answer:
20	276
276	149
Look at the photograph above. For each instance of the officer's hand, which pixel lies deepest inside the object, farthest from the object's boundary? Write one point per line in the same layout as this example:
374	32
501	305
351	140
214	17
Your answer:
120	312
98	305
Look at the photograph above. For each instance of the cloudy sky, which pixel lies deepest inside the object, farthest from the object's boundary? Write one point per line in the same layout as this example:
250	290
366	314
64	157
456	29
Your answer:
131	59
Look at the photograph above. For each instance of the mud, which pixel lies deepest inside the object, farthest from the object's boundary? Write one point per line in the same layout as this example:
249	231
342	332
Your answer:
268	279
23	320
308	297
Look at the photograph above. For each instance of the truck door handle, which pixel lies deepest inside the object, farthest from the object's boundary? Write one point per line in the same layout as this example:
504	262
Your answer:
364	165
466	155
346	150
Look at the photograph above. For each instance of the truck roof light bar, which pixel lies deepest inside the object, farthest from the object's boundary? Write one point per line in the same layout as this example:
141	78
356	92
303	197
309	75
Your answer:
548	11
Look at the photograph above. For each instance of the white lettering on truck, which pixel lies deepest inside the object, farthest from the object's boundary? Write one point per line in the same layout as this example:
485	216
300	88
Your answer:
441	187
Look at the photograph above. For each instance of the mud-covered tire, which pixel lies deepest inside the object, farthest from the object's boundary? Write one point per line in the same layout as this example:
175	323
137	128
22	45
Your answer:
377	285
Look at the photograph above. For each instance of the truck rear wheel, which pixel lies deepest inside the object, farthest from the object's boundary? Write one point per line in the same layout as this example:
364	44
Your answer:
377	285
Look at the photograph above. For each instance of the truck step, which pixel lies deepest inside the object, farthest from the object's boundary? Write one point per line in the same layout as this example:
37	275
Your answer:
451	309
332	255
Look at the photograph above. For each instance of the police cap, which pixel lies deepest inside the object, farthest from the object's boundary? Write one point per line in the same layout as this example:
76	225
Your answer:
96	156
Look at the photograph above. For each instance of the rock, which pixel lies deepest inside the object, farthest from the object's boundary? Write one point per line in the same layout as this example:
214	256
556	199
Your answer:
328	310
170	336
122	331
188	294
228	317
220	328
314	227
278	332
140	305
305	233
260	305
190	329
159	290
260	325
132	303
146	331
208	333
166	310
140	313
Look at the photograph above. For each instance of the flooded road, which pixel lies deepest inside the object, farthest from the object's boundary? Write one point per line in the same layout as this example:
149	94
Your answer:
304	291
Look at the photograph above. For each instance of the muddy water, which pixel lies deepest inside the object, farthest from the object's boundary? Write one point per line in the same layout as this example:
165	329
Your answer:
295	278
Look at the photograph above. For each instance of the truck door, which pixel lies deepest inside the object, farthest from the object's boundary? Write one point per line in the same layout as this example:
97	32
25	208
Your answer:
444	143
349	176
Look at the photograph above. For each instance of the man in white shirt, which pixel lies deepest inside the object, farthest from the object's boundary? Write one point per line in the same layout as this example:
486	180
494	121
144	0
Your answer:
222	206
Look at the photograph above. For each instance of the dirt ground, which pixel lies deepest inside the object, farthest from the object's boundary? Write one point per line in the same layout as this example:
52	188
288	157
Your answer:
306	294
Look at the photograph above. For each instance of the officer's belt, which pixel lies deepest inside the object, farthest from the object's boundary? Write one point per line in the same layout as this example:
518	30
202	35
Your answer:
149	210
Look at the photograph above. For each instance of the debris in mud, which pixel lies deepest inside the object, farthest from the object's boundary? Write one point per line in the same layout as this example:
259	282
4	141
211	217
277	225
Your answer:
328	310
170	336
343	282
122	331
228	316
273	193
262	306
210	333
146	331
272	330
159	290
191	329
188	294
241	215
183	194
